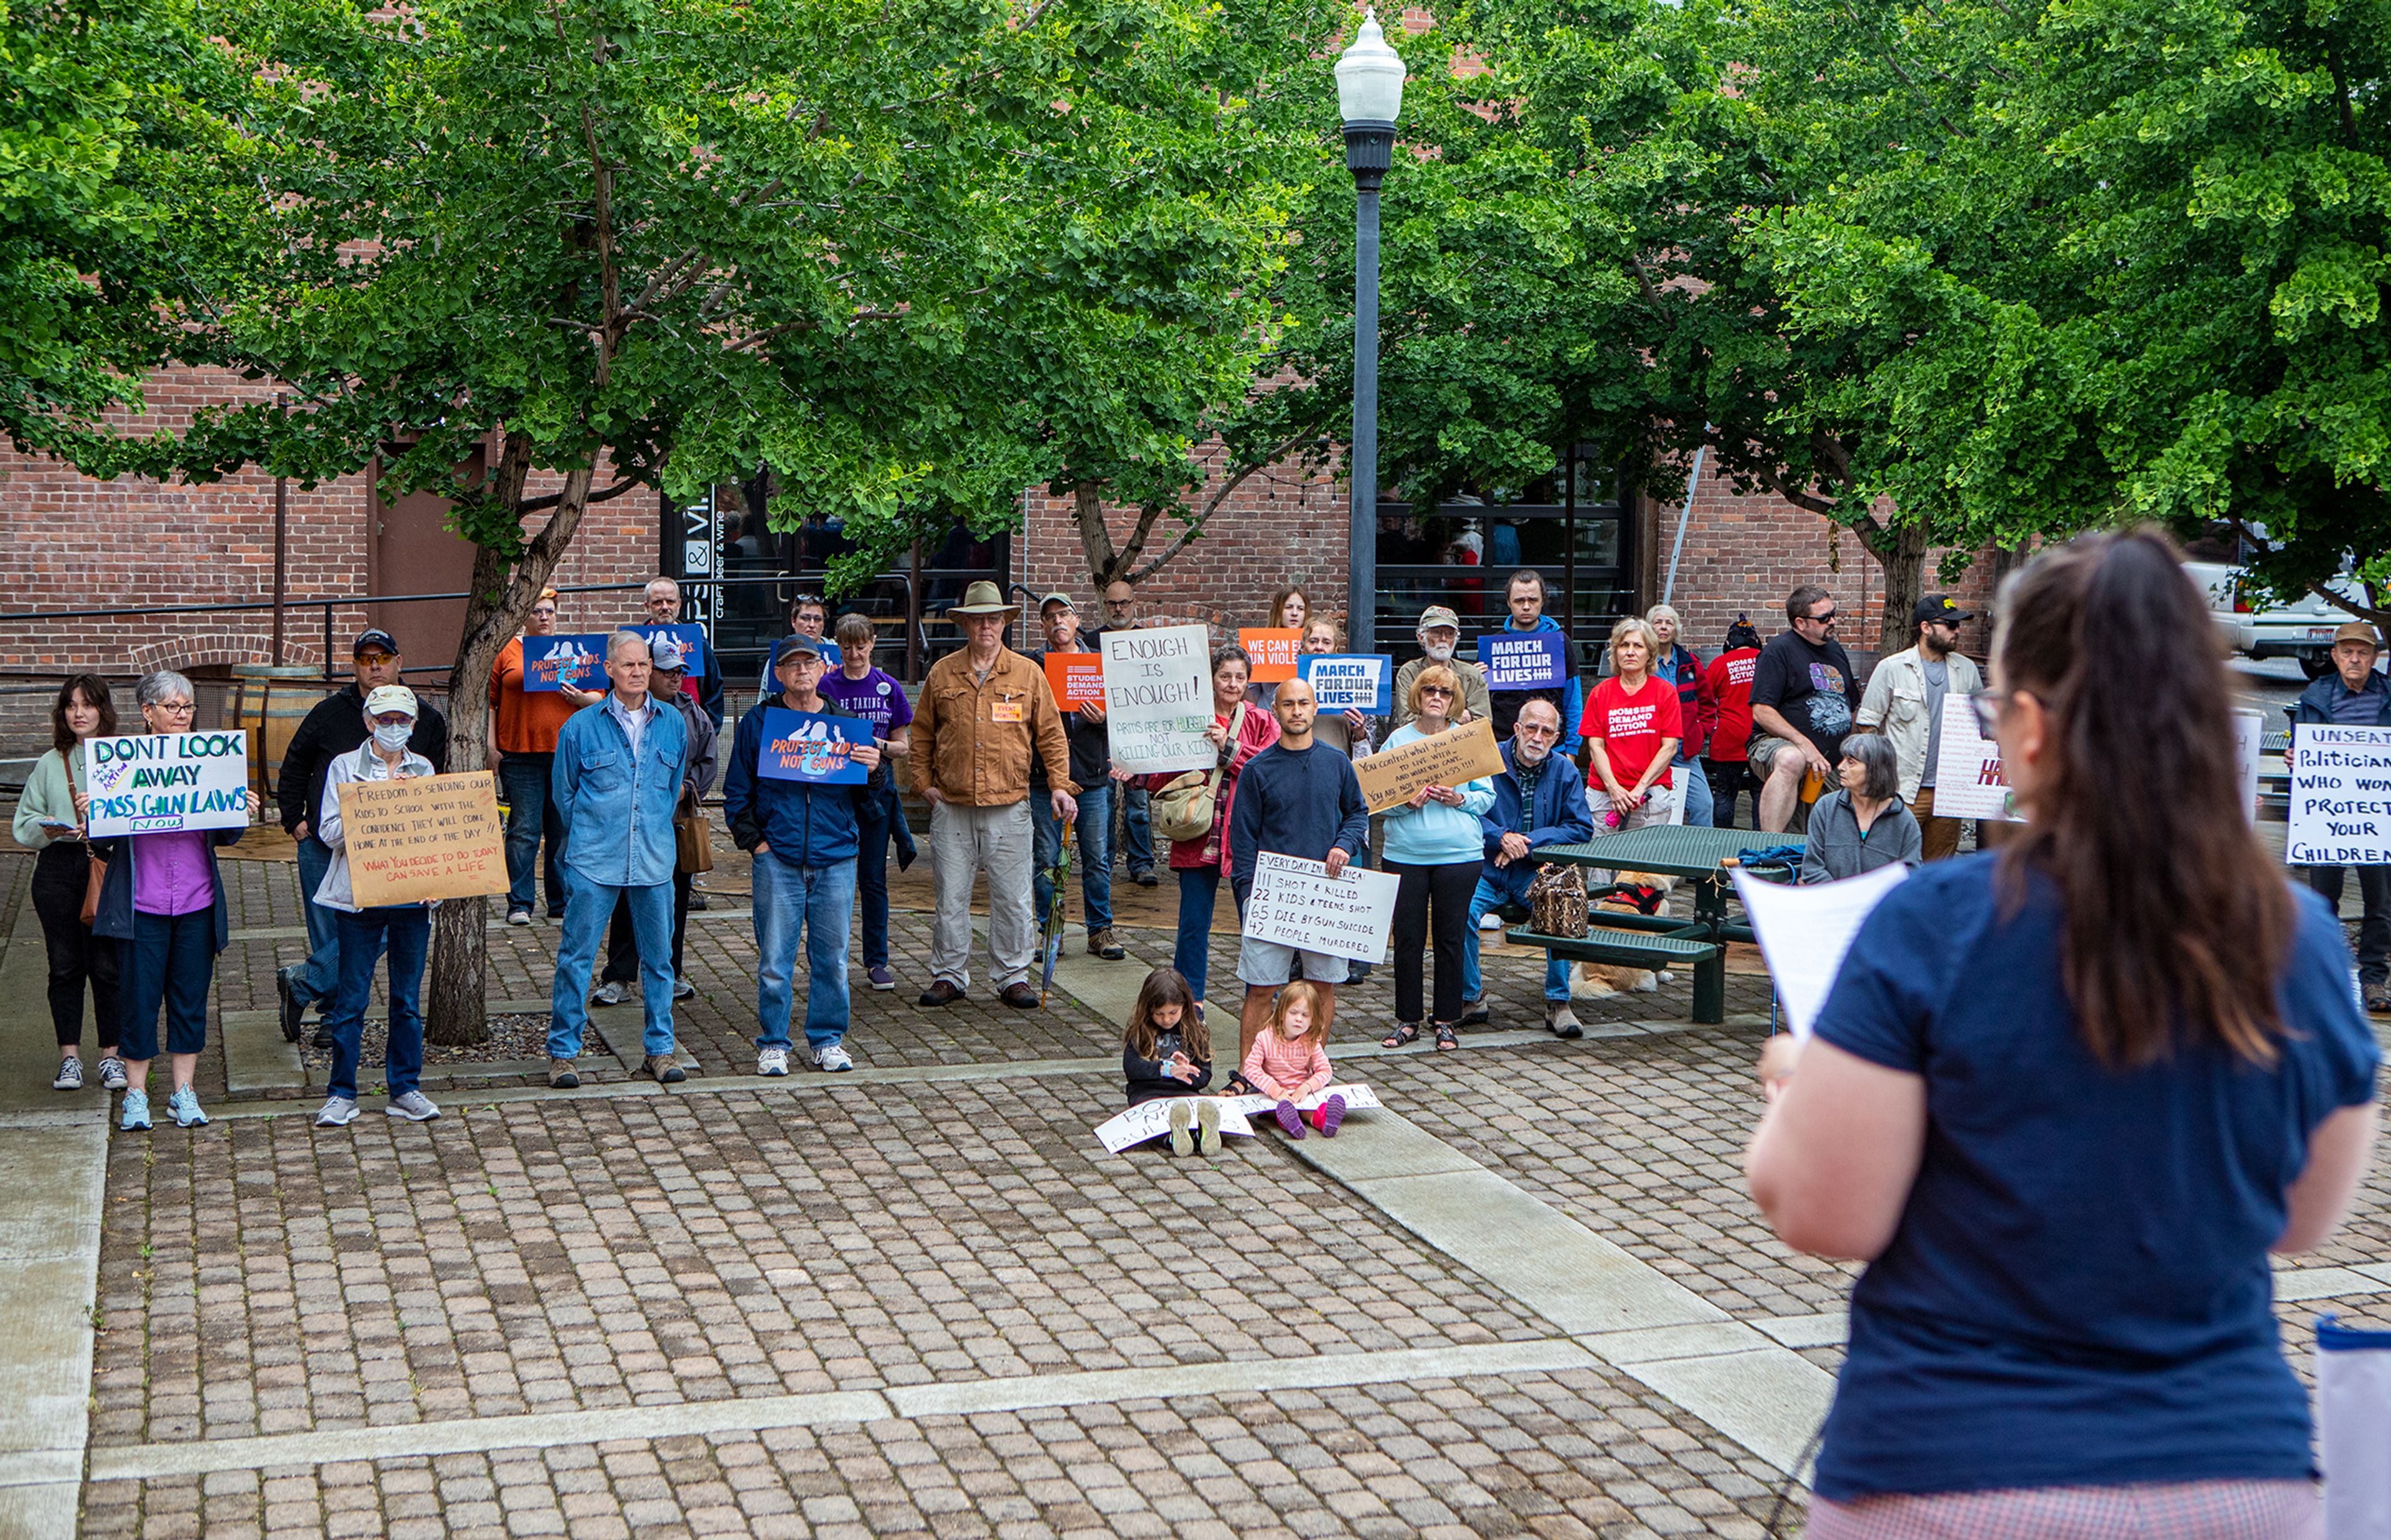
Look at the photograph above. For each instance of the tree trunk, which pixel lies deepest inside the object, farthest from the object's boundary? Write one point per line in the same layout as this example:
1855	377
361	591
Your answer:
1903	556
456	1008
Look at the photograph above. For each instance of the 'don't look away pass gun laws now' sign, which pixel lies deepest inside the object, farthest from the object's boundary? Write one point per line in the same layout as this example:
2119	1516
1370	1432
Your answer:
156	782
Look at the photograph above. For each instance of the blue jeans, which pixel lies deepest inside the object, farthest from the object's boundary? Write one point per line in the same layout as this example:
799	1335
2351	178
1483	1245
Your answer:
1199	892
405	928
588	907
319	976
1137	834
170	961
818	901
531	809
1694	787
1094	827
872	831
1489	896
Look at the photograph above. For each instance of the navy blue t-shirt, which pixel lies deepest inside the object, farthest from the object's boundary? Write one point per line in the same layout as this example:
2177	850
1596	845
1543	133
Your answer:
2078	1293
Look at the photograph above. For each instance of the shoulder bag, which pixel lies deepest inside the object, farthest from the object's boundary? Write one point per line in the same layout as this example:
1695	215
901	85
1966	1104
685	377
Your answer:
1187	808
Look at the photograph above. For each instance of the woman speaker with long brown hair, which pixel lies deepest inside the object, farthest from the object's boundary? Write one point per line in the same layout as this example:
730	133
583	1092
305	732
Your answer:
2064	1100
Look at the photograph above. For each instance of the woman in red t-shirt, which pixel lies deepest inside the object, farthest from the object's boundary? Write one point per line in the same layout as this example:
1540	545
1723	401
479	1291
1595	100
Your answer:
1730	680
1631	726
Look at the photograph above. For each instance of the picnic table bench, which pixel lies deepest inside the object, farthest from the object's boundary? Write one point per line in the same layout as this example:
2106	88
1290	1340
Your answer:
1699	855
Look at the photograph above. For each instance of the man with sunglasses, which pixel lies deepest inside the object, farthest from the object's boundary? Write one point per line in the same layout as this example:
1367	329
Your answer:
1803	700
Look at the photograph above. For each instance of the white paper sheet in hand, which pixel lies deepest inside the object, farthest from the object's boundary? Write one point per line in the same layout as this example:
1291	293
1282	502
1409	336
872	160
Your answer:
1804	931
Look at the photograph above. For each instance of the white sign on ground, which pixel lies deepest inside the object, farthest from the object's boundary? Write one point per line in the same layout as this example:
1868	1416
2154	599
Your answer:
1158	699
1355	1097
156	782
1151	1120
1296	904
2341	796
1968	778
1805	930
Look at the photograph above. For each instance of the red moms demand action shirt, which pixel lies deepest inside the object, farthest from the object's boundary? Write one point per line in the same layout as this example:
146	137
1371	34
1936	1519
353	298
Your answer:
1730	677
1631	728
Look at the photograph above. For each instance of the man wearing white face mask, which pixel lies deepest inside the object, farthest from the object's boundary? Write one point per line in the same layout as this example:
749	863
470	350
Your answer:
1440	634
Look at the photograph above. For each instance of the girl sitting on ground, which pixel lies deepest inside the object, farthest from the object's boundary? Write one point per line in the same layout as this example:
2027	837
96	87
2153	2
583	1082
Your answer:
1167	1053
1289	1061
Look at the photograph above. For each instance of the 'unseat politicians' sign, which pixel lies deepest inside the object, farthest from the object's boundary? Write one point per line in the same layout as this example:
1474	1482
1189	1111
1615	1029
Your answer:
804	746
1523	659
162	782
2341	796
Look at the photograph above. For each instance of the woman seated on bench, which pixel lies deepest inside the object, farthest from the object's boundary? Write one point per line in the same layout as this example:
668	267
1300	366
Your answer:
1861	825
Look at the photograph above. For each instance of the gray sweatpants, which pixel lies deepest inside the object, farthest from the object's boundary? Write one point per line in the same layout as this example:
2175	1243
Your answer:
964	840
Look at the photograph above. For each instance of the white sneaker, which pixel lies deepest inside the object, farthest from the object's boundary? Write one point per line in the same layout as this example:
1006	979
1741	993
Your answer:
415	1107
608	994
771	1062
518	917
337	1113
832	1058
1491	920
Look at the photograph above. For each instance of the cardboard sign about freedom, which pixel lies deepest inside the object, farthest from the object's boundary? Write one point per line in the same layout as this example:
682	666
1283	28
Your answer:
1968	781
1355	1097
803	746
1524	659
2341	796
1804	931
160	782
1076	679
1361	682
1273	652
1158	699
1452	757
551	661
1296	904
1151	1120
425	837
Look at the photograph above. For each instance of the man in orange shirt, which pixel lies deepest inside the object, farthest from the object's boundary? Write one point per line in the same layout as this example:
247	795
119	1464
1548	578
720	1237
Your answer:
523	725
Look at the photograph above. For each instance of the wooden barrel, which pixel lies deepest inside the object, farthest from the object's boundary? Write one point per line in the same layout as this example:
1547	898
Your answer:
270	701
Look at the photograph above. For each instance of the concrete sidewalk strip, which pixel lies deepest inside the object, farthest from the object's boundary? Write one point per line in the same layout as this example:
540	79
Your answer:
1771	1400
1826	1329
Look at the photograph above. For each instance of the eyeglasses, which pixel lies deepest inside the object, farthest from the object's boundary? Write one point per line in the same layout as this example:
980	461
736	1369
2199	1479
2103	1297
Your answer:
1827	618
1987	706
376	660
178	707
1435	690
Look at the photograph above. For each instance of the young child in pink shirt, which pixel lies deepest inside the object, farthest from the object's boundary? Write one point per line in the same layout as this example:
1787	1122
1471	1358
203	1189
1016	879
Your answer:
1289	1061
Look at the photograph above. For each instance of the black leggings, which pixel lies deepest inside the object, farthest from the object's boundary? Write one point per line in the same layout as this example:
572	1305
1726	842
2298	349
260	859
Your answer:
1443	891
60	873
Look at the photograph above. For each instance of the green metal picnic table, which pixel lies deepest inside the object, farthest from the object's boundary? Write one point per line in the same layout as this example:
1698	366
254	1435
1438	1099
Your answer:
1699	855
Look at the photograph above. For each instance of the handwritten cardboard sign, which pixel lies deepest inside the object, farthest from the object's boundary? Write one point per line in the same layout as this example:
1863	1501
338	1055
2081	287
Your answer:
1361	682
2341	796
1969	781
1272	650
1524	659
804	746
1151	1120
425	837
550	663
156	782
1158	698
1296	903
1450	758
1076	678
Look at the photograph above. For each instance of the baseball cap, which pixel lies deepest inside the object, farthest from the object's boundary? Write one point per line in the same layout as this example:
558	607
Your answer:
1436	615
666	653
375	636
1062	599
1939	607
799	645
2357	631
389	698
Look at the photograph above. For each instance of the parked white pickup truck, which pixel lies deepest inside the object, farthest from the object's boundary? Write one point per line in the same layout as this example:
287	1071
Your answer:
2302	630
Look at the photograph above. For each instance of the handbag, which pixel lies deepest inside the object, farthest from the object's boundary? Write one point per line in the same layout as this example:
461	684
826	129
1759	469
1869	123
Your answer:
1557	901
693	842
91	885
1185	808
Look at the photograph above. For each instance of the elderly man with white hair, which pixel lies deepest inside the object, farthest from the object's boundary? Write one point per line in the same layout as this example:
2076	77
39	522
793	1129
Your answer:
1681	666
1440	632
617	779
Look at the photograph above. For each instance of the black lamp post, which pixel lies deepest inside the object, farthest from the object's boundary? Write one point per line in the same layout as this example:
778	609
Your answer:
1370	97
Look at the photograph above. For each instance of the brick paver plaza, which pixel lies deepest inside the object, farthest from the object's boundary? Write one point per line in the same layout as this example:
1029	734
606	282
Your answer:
1529	1297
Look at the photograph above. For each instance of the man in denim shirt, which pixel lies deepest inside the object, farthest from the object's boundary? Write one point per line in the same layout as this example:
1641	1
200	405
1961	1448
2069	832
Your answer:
617	776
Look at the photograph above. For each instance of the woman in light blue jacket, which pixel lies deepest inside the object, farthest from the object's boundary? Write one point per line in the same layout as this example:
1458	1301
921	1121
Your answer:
1436	846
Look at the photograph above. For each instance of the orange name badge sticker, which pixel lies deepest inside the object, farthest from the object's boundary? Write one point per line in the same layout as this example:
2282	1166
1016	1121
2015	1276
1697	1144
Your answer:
1076	678
1272	650
1005	711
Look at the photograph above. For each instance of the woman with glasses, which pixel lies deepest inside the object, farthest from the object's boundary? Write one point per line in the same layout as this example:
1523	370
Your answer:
1862	824
1435	848
524	724
2064	1100
163	903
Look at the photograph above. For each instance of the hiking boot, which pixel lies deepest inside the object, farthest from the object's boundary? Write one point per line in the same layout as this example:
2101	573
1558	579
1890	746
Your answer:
560	1075
662	1070
1019	997
1101	944
336	1112
941	992
69	1075
414	1105
1561	1021
1145	878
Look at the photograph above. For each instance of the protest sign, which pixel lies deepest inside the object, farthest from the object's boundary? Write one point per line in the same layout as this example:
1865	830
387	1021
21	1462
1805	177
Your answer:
1449	758
1076	679
551	662
1272	651
1804	931
160	782
804	746
1361	682
2341	796
691	639
1969	782
829	656
1158	699
1524	659
2249	732
425	837
1296	903
1151	1120
1356	1096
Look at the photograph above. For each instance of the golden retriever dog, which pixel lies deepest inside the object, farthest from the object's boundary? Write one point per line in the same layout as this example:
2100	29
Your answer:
1648	894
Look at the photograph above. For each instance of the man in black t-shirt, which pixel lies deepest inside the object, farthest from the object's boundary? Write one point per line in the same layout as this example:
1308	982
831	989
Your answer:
1802	698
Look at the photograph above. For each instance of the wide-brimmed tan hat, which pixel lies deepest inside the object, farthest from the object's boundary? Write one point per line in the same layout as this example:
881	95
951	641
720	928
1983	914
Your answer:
984	598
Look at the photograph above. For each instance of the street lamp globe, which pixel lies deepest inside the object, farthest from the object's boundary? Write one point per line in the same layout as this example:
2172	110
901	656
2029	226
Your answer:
1370	78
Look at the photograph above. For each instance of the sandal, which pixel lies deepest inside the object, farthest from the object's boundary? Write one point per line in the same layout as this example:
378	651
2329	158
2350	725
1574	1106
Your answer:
1403	1037
1445	1038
